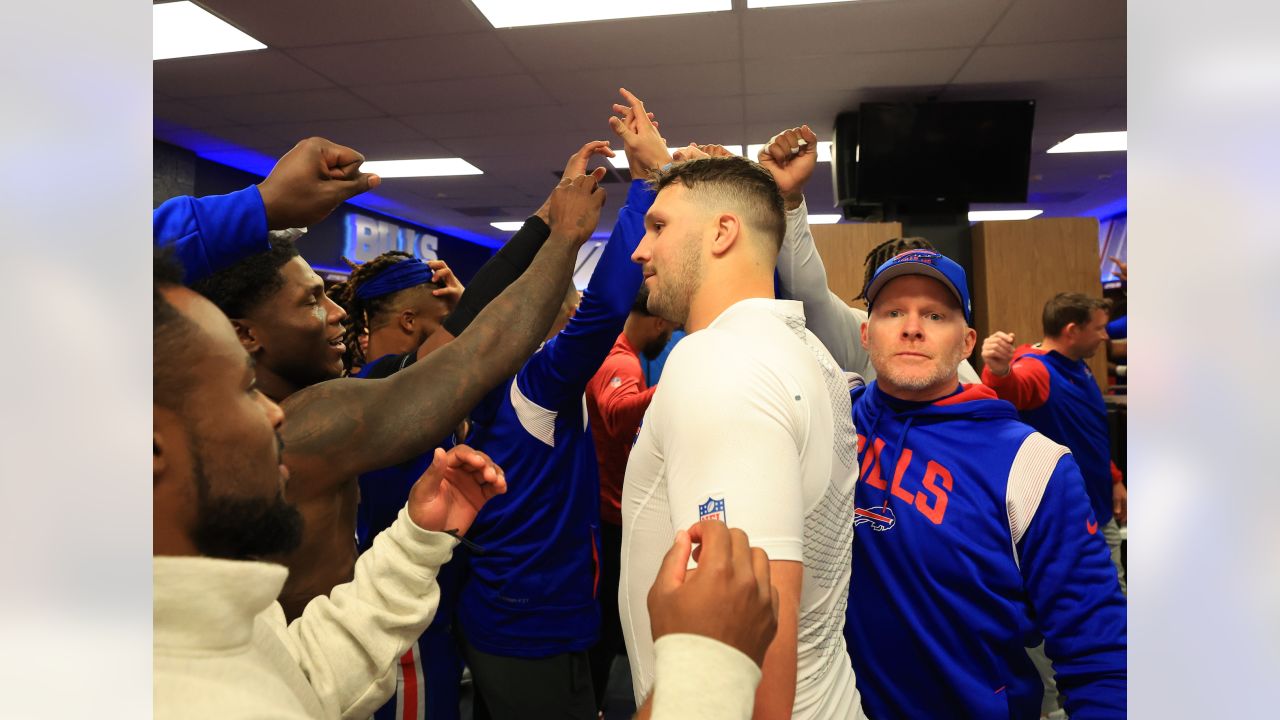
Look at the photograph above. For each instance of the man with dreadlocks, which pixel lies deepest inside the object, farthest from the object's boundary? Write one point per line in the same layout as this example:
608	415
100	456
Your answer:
790	156
399	301
337	430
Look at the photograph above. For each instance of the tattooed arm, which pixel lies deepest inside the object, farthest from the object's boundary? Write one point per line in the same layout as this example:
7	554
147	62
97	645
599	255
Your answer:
338	429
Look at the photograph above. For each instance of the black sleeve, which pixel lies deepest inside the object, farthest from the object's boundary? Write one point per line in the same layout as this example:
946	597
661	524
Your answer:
501	270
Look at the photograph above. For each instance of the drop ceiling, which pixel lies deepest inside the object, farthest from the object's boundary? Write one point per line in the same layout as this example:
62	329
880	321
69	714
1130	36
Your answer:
432	78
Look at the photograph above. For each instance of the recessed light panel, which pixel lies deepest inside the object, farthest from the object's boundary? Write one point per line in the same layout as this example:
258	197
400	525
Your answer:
184	29
980	215
423	167
508	225
824	219
522	13
1093	142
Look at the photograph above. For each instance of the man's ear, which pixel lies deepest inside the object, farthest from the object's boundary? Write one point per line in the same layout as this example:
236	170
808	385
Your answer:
249	337
405	319
728	233
862	334
970	339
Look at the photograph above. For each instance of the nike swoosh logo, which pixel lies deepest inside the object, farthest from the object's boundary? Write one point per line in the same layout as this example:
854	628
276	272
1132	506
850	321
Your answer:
1091	526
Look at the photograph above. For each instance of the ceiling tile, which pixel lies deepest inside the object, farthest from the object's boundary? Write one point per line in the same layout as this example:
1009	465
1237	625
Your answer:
411	59
298	23
671	40
368	135
259	71
182	113
482	123
648	83
846	72
307	105
868	27
1048	20
1045	61
443	96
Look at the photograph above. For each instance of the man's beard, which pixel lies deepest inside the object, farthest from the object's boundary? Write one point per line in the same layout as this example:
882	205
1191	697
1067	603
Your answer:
671	302
945	368
234	528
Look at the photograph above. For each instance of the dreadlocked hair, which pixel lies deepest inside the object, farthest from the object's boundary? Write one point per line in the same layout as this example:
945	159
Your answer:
886	251
361	311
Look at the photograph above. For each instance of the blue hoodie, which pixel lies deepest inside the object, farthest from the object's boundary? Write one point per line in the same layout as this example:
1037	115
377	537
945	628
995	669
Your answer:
974	539
211	233
533	592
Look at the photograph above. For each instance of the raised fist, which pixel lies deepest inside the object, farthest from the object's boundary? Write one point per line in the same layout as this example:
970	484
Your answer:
790	157
310	180
997	352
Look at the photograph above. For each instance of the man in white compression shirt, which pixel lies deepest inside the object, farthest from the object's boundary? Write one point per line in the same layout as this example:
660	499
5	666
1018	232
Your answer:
800	270
751	425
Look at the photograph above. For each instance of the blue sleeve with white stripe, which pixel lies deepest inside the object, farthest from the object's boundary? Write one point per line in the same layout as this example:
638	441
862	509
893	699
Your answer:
1074	591
212	233
559	373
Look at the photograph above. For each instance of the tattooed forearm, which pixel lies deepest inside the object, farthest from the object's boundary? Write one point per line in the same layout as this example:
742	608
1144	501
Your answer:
344	427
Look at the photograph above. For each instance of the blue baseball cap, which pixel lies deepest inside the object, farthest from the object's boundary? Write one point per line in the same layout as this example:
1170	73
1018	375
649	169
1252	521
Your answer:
927	263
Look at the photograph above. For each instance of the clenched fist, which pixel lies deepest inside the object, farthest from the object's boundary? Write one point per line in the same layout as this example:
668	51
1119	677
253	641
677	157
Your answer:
310	180
790	157
997	352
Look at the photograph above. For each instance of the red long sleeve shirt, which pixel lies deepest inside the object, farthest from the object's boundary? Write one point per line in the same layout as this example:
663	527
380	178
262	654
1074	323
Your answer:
617	398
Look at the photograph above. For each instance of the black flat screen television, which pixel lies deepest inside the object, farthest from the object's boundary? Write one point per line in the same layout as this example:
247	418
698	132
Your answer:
944	153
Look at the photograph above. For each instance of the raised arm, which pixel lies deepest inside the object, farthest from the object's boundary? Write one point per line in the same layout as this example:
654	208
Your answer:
345	427
801	273
215	232
1025	383
511	260
561	370
348	641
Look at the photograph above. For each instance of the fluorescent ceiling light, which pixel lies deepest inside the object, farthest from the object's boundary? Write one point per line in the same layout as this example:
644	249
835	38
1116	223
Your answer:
1093	142
619	160
824	151
517	13
980	215
787	3
184	29
508	225
825	219
424	167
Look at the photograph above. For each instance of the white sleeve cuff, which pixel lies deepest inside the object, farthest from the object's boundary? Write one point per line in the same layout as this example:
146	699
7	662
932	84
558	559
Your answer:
697	678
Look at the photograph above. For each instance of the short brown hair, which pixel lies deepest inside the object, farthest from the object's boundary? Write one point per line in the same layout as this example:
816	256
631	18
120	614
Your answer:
737	181
1069	307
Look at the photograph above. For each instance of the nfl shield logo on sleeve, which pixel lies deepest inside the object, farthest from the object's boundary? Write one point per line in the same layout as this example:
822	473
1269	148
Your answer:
713	509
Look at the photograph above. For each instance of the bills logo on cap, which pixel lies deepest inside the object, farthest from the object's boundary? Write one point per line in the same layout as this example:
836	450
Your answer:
712	509
880	517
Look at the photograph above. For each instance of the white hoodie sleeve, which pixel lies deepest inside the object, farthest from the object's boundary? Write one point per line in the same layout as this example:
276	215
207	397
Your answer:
347	643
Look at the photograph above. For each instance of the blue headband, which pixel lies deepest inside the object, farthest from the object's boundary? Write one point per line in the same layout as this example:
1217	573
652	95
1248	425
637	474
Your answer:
405	274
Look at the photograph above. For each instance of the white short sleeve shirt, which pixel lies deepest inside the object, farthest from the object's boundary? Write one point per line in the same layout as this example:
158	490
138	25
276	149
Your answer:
751	424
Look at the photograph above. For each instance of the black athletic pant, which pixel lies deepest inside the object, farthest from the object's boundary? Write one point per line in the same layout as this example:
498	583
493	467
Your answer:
509	688
611	643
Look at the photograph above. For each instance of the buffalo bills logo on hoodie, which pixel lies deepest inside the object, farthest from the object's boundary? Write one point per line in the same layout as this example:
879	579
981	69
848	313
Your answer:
880	517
